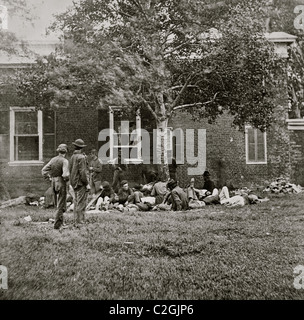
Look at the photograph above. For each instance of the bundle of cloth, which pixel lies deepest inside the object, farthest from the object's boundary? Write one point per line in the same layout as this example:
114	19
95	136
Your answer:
281	185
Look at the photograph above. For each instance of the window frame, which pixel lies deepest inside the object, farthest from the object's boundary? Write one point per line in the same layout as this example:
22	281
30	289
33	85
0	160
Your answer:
255	146
12	147
137	160
7	134
53	134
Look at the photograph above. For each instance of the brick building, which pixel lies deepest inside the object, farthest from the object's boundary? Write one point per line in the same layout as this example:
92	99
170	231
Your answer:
28	139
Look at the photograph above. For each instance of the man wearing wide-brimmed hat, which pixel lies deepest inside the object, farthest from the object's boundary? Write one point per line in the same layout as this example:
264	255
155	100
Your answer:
79	180
57	170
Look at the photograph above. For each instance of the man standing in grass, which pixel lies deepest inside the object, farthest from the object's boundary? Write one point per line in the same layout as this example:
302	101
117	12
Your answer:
95	167
79	179
57	170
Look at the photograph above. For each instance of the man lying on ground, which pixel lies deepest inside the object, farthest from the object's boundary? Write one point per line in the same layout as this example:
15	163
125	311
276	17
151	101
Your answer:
238	200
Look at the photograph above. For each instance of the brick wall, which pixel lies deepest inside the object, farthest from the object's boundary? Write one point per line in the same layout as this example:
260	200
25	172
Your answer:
76	123
71	123
225	149
22	180
225	153
226	157
297	157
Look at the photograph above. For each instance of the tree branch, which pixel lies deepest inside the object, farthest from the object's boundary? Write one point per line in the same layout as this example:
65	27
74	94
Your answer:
184	106
120	12
137	4
195	104
182	44
188	86
150	109
168	33
177	47
175	102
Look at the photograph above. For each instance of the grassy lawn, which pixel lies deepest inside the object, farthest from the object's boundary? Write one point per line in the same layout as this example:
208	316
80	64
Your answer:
211	253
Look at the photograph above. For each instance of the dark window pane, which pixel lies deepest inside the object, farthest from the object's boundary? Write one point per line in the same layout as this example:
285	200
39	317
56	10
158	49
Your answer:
256	145
26	148
250	133
260	137
125	152
4	122
261	152
49	146
117	121
4	147
26	123
48	122
251	152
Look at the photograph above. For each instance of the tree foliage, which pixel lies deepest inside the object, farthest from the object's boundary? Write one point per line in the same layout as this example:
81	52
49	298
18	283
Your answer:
280	16
160	55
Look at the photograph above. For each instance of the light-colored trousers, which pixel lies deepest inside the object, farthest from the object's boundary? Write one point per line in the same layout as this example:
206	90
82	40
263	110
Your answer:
235	201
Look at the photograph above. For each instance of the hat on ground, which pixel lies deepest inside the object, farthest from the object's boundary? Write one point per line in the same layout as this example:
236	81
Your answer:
62	148
79	143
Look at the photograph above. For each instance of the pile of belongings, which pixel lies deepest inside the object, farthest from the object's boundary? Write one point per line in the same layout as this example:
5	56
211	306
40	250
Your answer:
241	191
281	185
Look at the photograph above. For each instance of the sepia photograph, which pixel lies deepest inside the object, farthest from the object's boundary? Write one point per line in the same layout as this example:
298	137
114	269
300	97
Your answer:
152	153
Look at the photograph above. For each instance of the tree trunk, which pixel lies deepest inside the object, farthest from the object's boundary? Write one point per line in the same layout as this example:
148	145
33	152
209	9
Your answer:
162	148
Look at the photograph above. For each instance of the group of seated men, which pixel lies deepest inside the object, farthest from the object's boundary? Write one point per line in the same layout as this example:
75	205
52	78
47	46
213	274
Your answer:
162	195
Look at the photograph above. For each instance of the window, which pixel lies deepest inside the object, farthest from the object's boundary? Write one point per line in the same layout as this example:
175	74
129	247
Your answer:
125	143
4	135
255	142
132	138
31	133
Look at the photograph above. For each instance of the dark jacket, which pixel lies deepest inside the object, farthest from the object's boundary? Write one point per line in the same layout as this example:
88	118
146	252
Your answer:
79	172
56	167
108	192
97	168
124	195
179	199
209	185
172	166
